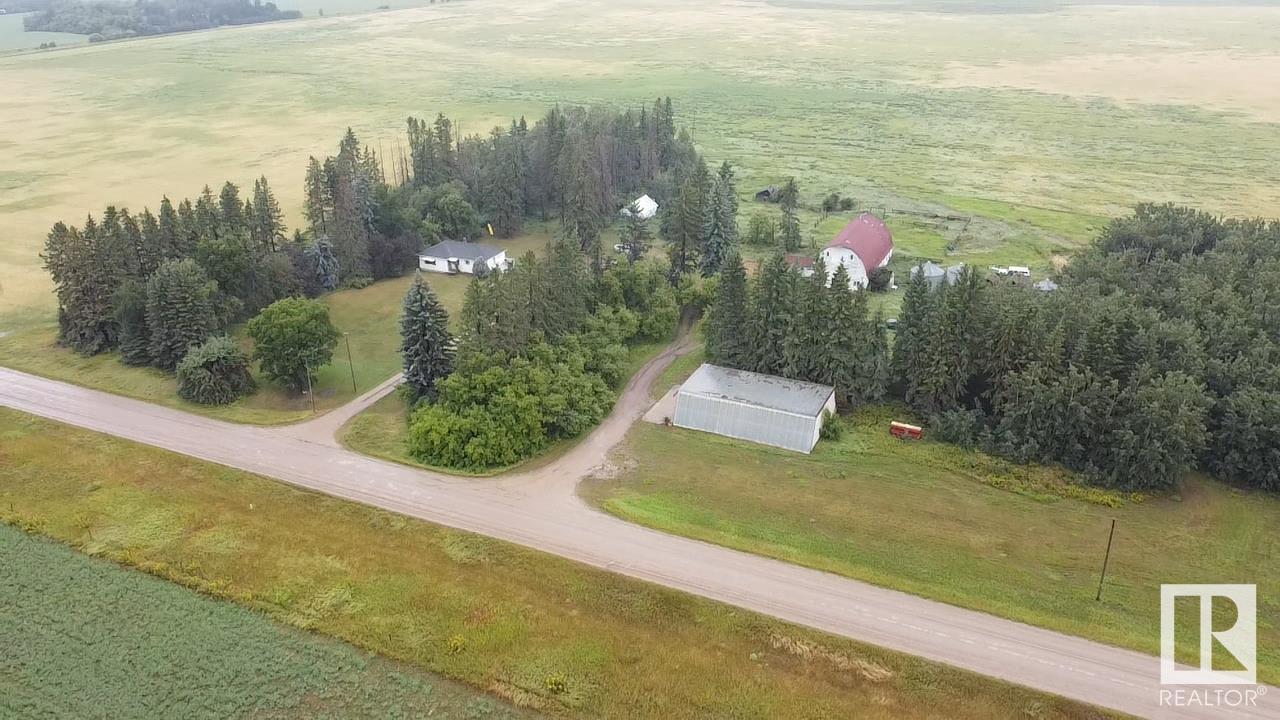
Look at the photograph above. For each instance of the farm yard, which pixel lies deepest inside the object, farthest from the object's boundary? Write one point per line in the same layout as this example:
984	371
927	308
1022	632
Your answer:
869	102
538	631
955	525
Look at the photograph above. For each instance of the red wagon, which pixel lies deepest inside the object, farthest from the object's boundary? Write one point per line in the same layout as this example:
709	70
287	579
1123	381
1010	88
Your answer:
903	431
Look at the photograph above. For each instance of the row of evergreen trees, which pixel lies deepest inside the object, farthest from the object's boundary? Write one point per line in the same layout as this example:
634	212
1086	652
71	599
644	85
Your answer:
152	282
701	225
801	328
574	164
1159	353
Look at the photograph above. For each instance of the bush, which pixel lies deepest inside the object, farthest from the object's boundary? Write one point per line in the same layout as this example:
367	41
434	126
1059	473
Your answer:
959	427
492	414
879	279
832	426
215	373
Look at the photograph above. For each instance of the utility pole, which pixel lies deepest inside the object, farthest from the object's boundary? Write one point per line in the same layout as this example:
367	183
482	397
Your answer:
1106	559
346	337
309	390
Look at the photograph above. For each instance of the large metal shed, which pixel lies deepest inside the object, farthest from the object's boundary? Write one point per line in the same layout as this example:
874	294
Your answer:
750	406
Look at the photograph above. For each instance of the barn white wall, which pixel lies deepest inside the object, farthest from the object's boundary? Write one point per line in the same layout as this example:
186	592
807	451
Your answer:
747	422
834	257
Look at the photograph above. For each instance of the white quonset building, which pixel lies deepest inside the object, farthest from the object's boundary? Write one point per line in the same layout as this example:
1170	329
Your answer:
750	406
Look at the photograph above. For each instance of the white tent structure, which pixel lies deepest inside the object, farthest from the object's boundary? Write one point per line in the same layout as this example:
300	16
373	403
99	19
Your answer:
646	206
750	406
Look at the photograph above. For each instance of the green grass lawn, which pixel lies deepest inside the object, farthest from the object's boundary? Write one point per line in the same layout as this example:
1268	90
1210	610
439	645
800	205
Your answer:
88	638
957	526
369	319
541	632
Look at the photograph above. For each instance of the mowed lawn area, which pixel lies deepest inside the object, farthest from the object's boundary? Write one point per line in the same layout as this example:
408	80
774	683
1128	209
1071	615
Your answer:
541	632
369	317
958	526
87	638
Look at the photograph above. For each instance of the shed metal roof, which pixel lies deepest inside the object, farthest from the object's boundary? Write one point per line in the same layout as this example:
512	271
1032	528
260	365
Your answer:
461	250
769	391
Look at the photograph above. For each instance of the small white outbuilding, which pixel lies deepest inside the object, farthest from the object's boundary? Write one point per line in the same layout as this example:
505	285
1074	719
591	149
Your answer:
646	207
452	257
751	406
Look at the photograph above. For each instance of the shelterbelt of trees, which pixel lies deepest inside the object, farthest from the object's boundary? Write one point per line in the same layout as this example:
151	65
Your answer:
1159	354
109	20
156	285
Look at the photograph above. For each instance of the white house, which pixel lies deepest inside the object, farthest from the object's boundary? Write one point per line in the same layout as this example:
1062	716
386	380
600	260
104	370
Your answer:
864	245
452	257
646	206
750	406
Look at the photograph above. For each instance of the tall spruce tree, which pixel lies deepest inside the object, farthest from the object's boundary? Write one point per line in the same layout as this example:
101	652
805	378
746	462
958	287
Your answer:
266	222
844	338
772	312
318	200
181	310
688	226
914	328
727	343
426	346
635	235
722	233
86	270
130	303
807	345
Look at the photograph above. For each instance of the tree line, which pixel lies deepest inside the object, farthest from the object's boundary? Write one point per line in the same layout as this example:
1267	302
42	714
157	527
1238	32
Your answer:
540	351
107	20
1159	353
802	328
155	285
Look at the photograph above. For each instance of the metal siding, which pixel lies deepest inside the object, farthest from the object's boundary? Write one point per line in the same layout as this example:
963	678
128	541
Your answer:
746	422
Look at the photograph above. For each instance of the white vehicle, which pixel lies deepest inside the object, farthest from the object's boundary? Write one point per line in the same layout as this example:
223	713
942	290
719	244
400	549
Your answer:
620	248
1019	271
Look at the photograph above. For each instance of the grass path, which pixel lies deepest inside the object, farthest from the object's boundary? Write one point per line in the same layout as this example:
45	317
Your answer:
542	632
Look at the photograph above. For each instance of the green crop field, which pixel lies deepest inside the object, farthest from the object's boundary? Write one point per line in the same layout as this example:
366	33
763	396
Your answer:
955	525
87	638
542	632
1012	119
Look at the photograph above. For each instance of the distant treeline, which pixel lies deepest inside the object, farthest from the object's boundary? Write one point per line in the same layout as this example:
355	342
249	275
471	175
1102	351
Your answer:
103	20
1159	354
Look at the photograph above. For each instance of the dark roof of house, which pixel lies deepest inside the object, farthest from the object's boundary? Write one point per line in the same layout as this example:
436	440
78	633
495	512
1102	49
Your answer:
868	238
797	260
769	391
461	250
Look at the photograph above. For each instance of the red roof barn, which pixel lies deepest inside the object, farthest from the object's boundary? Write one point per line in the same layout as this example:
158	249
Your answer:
862	246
